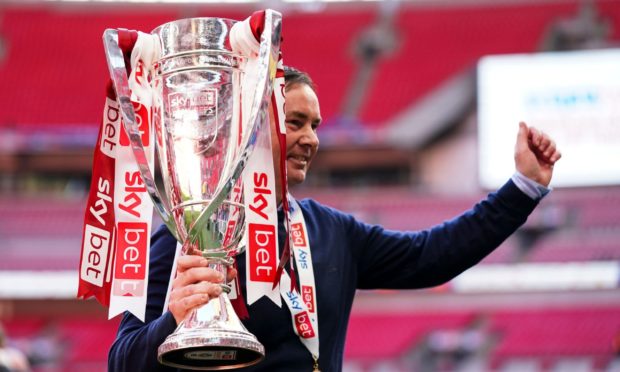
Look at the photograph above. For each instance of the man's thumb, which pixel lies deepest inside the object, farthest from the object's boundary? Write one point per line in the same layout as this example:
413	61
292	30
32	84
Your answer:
522	137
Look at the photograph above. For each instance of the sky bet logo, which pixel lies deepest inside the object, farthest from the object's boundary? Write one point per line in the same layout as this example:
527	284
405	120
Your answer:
302	320
203	101
96	247
307	294
297	233
130	259
303	325
262	251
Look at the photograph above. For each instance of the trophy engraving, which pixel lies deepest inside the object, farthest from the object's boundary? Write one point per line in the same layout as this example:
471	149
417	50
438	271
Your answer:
203	143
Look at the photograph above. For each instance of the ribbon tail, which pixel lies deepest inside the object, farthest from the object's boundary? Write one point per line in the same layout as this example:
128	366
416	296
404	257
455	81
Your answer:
286	255
238	303
293	279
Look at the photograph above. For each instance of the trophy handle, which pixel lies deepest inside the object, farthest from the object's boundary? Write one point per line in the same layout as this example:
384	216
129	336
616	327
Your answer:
268	58
118	75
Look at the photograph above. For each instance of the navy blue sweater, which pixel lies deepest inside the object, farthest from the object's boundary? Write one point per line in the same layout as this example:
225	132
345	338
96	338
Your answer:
347	255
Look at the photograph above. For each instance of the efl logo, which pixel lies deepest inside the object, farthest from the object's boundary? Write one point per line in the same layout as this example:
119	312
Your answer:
95	256
307	294
142	120
297	232
203	102
262	252
304	326
211	355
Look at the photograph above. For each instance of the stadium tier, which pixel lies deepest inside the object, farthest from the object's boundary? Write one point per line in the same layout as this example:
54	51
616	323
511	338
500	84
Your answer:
53	66
550	335
393	336
495	338
52	226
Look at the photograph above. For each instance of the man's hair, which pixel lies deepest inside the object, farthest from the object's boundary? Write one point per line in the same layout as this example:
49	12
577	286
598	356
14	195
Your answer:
293	76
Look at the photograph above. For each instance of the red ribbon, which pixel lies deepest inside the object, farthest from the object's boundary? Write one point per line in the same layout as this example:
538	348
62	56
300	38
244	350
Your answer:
101	199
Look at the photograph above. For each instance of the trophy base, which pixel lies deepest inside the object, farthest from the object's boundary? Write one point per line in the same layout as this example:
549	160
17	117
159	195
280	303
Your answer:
210	350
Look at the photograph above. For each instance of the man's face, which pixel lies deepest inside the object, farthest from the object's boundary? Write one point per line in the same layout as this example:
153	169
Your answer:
303	117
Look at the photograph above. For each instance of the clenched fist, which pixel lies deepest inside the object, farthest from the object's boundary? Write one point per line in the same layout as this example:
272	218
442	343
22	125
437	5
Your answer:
535	154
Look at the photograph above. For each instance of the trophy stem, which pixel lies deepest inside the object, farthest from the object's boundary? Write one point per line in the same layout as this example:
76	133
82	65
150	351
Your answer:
221	265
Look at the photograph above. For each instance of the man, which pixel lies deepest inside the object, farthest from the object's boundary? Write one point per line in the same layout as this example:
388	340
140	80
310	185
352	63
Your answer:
346	255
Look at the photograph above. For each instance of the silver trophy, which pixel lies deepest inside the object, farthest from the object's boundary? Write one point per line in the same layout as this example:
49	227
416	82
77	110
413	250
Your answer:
203	143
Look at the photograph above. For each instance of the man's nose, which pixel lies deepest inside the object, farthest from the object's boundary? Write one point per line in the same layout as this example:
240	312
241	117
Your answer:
309	137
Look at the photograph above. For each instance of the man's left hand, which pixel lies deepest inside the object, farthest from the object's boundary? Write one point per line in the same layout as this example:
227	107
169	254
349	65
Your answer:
535	154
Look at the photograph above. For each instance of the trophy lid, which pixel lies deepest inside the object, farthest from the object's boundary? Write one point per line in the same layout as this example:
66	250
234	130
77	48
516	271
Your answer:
194	34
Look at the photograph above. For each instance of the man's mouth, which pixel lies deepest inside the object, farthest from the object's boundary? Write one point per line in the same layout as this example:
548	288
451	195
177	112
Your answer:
299	159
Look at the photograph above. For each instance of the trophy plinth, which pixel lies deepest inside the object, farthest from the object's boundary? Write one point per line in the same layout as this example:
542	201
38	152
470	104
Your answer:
222	349
221	344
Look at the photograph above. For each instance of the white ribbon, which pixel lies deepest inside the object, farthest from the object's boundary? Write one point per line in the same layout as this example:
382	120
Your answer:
261	233
303	306
132	206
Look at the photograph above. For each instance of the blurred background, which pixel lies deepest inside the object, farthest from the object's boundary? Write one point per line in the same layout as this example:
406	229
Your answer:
420	101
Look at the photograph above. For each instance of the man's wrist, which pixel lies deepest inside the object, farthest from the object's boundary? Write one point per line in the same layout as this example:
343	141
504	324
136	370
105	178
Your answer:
531	188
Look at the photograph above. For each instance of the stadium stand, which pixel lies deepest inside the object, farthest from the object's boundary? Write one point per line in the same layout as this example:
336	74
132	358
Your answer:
552	334
439	42
547	337
577	246
540	338
51	226
52	62
394	335
63	343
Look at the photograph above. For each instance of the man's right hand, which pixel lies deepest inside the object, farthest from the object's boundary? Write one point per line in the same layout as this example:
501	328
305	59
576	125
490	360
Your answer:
194	285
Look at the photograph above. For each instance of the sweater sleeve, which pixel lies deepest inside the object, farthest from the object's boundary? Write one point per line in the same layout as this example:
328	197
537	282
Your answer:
410	260
135	347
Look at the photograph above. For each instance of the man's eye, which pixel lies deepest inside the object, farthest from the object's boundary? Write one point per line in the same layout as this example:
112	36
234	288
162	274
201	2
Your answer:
296	123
